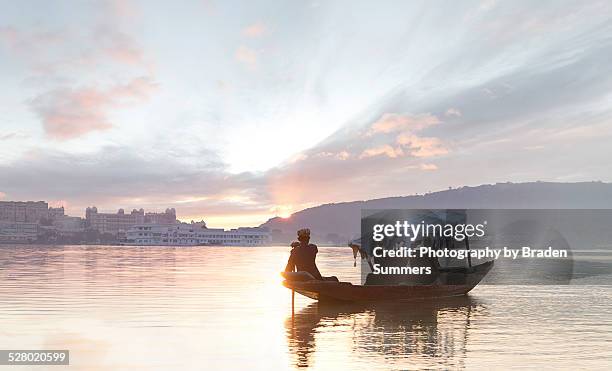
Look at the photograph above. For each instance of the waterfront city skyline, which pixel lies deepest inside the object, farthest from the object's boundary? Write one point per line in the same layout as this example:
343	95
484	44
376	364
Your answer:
235	114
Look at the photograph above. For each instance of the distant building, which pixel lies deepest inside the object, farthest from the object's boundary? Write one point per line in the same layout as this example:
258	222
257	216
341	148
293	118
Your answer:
67	225
113	223
120	222
23	211
167	217
194	234
56	213
18	232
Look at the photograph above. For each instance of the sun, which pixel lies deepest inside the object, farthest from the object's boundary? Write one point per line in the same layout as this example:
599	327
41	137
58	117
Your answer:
283	211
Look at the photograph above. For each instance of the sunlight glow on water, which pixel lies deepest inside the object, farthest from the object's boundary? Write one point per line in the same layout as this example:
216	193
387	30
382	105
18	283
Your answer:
166	308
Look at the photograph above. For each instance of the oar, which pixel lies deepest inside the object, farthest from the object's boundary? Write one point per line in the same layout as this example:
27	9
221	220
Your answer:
469	257
292	304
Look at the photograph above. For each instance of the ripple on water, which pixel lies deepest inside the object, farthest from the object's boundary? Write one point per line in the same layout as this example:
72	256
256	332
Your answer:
225	308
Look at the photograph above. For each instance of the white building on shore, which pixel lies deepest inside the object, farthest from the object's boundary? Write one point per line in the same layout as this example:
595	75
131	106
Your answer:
194	234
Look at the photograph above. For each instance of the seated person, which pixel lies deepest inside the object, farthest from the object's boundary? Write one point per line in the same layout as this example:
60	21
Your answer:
303	255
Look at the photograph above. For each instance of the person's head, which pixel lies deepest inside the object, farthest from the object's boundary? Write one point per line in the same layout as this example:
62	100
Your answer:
303	235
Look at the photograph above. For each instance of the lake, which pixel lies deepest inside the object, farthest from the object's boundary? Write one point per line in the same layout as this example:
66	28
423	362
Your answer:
193	308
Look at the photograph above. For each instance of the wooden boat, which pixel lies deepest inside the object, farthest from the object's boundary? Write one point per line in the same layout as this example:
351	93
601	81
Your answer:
450	282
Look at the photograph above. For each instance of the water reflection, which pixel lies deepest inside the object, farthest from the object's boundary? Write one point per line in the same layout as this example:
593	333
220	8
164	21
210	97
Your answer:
423	332
225	308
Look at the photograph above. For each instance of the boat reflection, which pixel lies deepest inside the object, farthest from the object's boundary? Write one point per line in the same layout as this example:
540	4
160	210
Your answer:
435	330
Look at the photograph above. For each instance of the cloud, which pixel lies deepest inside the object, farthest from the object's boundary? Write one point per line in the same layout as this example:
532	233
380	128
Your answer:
341	155
422	146
118	45
405	139
30	41
69	51
428	167
385	149
13	135
246	56
33	47
8	35
255	30
394	122
116	176
371	156
298	157
70	113
452	112
123	8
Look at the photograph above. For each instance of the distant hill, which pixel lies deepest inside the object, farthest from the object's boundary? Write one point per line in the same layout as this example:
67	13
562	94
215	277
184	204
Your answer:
338	222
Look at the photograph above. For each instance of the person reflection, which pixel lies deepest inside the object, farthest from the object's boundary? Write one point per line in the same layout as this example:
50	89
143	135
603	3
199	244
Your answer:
434	330
301	334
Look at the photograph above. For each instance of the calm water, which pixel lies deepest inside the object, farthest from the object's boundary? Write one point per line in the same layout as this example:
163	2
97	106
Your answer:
224	308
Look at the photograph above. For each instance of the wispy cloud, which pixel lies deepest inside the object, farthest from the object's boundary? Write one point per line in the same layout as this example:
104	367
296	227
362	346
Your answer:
422	146
341	155
13	135
385	149
407	140
452	112
70	113
28	41
255	30
118	45
246	56
394	122
428	167
122	8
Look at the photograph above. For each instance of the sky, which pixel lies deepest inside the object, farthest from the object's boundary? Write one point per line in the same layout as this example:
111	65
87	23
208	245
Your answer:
235	112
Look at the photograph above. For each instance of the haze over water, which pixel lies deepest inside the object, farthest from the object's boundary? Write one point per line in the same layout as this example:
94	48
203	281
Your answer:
132	308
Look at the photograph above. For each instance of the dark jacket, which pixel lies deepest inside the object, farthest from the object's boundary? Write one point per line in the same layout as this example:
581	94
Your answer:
302	258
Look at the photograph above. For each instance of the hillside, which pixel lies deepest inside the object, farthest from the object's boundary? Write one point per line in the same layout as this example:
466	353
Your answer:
338	222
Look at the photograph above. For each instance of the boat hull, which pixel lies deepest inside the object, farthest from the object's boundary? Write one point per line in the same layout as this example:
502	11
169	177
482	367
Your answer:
347	292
